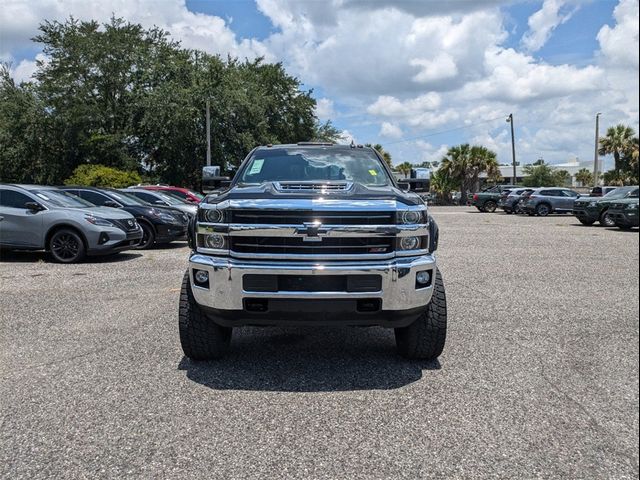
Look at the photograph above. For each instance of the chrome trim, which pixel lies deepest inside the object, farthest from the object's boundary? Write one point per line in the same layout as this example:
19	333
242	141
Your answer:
398	280
269	230
313	204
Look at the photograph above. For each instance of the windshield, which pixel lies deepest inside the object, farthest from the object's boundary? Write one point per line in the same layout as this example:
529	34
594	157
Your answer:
128	199
304	164
619	193
59	198
170	199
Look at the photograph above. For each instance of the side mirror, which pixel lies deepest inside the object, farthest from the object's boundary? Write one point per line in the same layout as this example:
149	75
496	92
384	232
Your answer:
578	196
34	206
111	203
404	186
225	183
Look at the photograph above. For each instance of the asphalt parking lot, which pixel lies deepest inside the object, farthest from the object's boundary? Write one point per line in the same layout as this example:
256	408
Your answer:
539	377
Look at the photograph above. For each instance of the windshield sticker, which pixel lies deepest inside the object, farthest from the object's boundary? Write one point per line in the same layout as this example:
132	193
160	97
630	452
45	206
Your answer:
373	173
256	167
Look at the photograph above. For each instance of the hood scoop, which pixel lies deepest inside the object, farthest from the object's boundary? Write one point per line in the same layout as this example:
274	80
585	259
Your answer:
313	187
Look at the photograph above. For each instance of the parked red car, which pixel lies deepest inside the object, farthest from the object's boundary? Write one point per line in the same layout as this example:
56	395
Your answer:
183	194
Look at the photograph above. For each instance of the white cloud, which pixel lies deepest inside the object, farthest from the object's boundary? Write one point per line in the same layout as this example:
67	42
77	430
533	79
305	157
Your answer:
23	72
619	45
390	130
544	21
346	138
19	22
324	109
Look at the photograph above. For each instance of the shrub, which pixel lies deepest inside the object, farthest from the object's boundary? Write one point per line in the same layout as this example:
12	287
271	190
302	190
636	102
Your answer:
101	176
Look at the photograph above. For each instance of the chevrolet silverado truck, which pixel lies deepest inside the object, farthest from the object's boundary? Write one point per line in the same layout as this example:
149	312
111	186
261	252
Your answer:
487	200
313	234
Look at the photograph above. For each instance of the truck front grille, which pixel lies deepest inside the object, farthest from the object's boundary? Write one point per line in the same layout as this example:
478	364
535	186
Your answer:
300	217
327	245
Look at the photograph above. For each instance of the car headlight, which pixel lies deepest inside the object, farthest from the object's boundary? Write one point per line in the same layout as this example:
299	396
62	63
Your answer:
409	217
593	204
164	216
101	222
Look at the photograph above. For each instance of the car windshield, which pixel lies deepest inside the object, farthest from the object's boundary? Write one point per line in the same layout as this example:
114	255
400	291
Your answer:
128	199
619	193
59	198
304	164
170	199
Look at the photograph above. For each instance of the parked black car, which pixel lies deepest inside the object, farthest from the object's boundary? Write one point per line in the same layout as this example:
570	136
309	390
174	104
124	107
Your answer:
159	224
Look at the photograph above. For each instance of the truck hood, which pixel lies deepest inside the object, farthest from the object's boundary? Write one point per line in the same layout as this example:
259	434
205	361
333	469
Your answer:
243	195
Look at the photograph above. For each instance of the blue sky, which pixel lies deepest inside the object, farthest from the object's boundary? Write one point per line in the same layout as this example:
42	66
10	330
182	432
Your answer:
415	76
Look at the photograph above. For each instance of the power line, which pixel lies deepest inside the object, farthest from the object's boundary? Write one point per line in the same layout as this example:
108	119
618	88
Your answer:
446	131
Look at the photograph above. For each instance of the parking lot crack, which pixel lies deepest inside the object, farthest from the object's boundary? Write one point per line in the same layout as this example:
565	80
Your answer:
630	458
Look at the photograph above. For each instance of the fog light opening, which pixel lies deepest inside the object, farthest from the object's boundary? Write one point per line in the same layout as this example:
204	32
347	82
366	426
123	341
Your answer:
201	278
423	279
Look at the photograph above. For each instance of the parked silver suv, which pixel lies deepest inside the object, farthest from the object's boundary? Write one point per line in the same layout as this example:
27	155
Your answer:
544	201
35	217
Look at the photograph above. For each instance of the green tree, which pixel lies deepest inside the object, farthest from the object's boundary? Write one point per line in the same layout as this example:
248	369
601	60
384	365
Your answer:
404	168
101	176
465	163
442	185
386	156
617	142
584	176
542	174
126	97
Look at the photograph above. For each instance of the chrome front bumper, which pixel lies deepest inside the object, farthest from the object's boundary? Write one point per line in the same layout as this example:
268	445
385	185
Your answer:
398	290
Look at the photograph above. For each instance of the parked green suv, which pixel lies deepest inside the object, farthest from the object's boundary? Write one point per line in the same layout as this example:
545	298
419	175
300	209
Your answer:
487	200
624	213
589	210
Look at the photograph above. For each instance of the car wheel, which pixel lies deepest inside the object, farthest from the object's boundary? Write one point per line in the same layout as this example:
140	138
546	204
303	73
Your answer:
543	209
148	236
425	337
606	220
66	246
201	338
586	222
490	206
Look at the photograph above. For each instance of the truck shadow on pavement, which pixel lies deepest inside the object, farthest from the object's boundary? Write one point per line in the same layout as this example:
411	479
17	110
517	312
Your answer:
306	359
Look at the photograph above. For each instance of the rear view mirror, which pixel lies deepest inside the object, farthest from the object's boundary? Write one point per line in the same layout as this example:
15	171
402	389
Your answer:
34	206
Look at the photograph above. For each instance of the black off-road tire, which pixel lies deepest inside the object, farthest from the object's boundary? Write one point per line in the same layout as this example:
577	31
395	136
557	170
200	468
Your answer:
201	338
490	206
543	209
67	246
425	338
606	220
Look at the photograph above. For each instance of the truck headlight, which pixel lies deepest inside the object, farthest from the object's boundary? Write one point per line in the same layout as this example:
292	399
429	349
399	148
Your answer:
409	243
409	217
212	215
214	240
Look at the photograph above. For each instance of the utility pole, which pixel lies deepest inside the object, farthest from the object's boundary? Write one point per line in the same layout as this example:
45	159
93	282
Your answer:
208	134
596	159
513	149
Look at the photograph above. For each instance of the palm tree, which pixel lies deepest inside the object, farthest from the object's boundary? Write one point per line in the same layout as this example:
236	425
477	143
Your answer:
386	156
617	141
404	168
465	163
584	176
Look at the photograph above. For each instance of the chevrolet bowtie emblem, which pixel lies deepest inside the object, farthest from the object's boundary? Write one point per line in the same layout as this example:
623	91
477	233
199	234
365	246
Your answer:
312	232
